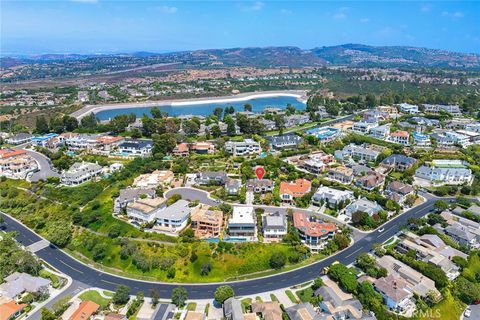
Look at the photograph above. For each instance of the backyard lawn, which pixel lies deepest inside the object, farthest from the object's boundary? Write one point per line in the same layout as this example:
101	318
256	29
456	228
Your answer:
473	267
305	295
448	309
94	296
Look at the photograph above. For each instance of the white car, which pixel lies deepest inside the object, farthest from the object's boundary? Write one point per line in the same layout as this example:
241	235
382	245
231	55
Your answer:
381	229
467	313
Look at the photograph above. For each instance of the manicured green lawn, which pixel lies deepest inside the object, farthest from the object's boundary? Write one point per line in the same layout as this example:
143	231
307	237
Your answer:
108	293
305	295
94	296
273	297
473	267
191	306
53	278
291	296
448	309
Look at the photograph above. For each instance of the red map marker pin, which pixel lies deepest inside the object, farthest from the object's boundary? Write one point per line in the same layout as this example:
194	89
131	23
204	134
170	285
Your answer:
260	172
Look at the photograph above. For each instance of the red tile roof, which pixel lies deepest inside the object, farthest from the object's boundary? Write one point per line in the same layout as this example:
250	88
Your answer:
84	311
312	228
8	153
296	189
8	309
400	134
181	147
109	139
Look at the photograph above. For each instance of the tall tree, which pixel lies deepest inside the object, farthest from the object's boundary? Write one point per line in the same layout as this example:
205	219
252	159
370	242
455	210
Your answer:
218	112
179	296
41	125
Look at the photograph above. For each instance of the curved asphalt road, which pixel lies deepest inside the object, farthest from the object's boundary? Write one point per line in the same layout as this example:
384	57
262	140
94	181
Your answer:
45	167
95	278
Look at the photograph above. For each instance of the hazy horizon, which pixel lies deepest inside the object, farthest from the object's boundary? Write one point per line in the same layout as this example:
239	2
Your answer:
102	26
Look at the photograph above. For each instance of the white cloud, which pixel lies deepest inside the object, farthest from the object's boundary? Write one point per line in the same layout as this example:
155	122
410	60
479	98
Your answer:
255	6
425	8
168	9
455	15
365	20
341	13
285	11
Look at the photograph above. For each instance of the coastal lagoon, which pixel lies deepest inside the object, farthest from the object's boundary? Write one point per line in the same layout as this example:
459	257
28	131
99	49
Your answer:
205	108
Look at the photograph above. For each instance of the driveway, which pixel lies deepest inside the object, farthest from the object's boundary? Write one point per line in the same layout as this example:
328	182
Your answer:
46	168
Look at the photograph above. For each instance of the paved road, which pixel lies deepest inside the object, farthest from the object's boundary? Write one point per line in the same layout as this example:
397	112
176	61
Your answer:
45	167
90	276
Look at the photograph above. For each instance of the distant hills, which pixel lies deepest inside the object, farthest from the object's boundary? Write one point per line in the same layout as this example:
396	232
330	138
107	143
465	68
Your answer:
353	55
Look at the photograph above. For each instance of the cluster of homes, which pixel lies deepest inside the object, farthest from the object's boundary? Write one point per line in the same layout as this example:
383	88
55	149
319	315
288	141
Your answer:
334	304
16	163
418	130
102	144
15	288
142	206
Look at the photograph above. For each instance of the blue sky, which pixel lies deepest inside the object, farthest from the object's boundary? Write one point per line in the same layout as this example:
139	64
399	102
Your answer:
88	26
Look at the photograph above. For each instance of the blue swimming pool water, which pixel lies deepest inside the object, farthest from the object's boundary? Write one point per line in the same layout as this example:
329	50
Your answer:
232	239
206	109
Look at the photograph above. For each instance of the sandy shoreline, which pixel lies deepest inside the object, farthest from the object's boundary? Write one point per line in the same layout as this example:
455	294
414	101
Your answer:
301	95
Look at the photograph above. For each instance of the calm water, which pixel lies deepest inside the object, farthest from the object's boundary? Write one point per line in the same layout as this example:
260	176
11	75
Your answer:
207	109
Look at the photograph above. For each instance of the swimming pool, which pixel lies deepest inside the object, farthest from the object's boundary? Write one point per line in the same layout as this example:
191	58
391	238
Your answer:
228	239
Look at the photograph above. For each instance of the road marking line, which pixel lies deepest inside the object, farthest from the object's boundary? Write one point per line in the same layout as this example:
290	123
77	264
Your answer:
110	282
391	228
70	266
351	254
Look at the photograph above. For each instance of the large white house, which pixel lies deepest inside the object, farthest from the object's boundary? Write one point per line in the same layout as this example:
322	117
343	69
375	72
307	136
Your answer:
453	172
242	148
80	172
242	223
331	197
274	225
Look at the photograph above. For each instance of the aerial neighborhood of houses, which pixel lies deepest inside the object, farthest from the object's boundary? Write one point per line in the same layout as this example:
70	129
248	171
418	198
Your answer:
308	188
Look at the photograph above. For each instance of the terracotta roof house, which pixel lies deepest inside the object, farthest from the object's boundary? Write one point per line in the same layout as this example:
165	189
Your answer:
297	189
9	153
401	137
313	233
181	150
84	311
11	310
206	223
203	147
